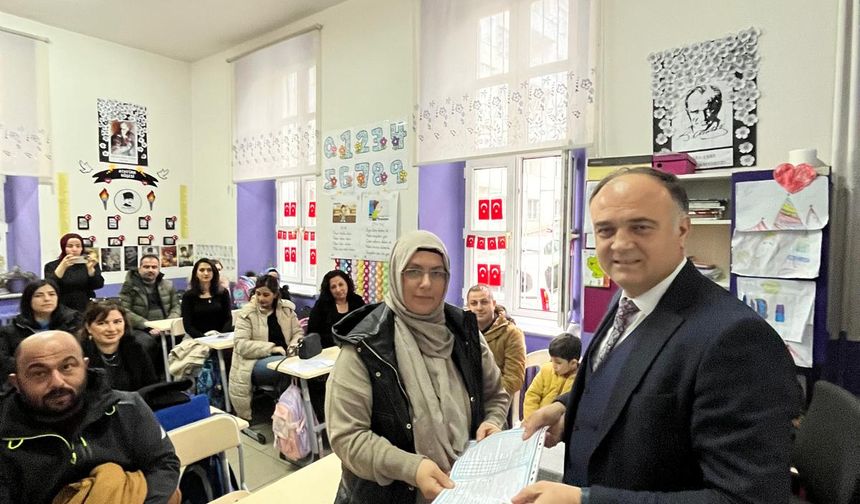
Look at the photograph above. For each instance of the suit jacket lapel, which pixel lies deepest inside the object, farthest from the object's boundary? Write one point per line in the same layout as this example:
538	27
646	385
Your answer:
653	333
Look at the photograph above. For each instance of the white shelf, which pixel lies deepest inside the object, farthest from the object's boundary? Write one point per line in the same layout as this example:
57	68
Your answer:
719	173
711	222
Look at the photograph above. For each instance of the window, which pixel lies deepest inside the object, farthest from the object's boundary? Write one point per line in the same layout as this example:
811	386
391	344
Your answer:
494	44
515	233
296	230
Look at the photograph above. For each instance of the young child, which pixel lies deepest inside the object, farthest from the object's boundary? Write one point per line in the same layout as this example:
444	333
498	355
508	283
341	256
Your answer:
555	377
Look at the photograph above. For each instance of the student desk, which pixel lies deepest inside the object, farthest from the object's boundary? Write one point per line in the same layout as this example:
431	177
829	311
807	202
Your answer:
241	423
313	484
304	370
163	327
219	343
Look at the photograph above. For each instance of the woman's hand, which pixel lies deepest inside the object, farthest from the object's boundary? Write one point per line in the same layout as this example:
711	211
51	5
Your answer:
486	429
65	263
279	350
91	266
431	480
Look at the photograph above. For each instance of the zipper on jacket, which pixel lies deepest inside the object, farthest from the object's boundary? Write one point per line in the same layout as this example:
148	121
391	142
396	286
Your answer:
399	382
13	445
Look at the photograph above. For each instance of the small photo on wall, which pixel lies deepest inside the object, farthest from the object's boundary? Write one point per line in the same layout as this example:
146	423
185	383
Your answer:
130	256
344	212
186	255
112	222
111	259
168	256
114	241
142	223
169	223
87	244
144	240
169	240
152	249
83	223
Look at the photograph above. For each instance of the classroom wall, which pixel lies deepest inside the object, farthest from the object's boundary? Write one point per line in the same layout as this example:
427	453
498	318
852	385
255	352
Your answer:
796	76
81	70
367	74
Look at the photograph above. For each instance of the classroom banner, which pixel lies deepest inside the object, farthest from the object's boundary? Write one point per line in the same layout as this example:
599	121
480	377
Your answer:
369	158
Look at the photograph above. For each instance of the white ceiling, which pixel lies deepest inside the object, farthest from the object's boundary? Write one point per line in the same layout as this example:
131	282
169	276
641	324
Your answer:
182	29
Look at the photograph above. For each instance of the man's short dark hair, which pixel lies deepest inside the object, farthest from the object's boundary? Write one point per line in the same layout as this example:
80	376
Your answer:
668	180
149	256
565	346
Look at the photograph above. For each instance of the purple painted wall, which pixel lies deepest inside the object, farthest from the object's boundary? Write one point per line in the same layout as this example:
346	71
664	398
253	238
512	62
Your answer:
442	210
22	215
255	233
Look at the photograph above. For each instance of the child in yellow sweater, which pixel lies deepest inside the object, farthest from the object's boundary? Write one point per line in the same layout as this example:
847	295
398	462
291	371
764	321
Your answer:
555	377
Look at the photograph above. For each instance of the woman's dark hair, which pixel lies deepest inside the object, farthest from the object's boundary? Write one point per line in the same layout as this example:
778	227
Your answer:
65	240
96	312
270	283
27	298
214	284
325	291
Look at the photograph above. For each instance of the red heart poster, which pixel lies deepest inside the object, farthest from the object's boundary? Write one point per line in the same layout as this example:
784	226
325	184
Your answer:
312	209
495	275
483	274
483	209
470	241
491	243
292	254
313	257
496	209
482	243
501	242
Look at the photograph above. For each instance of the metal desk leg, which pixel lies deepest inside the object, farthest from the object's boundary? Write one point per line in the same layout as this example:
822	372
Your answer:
311	418
224	381
163	338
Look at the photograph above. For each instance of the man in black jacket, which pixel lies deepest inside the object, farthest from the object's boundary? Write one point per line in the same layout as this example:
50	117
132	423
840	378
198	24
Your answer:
63	420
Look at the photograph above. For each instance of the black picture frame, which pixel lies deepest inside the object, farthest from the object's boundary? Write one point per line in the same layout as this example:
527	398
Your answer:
83	223
112	222
144	240
114	241
169	223
142	223
169	240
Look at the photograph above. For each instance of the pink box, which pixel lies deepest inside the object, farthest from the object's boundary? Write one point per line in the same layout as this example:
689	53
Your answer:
679	163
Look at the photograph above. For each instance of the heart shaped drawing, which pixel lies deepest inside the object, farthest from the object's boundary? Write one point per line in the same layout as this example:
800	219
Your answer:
794	178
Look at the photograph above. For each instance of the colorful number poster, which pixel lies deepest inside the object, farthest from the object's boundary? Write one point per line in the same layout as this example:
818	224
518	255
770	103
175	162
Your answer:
368	158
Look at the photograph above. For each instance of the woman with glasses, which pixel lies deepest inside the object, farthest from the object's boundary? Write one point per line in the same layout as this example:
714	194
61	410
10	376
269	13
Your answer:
414	382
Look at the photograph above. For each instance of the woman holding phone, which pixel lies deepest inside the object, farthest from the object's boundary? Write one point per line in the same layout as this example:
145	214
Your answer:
77	275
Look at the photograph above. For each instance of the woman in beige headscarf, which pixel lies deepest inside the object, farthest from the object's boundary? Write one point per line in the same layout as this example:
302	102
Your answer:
414	382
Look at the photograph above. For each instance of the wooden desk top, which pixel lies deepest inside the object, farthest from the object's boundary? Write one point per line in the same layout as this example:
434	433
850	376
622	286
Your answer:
161	325
329	353
221	341
314	484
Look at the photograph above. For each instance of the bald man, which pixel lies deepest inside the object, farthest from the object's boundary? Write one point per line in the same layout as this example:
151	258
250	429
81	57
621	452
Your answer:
63	420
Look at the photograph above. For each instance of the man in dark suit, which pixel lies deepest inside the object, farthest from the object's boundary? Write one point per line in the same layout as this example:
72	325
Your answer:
685	395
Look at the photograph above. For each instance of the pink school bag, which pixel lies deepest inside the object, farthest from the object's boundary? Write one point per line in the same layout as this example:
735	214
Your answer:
290	426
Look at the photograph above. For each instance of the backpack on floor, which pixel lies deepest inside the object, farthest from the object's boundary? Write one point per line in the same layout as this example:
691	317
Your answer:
290	426
203	481
209	383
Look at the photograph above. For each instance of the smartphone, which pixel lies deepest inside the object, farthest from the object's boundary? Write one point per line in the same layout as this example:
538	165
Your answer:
79	260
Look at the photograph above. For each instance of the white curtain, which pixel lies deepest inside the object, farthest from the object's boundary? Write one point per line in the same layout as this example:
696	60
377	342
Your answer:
275	103
845	232
25	145
503	76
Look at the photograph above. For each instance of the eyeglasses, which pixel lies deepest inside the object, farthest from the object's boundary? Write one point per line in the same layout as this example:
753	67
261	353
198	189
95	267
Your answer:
416	275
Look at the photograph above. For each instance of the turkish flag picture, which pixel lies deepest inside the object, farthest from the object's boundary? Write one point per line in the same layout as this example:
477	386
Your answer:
491	243
496	209
313	257
470	241
286	209
312	209
495	275
483	274
292	254
293	209
482	243
501	243
483	209
286	254
307	235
